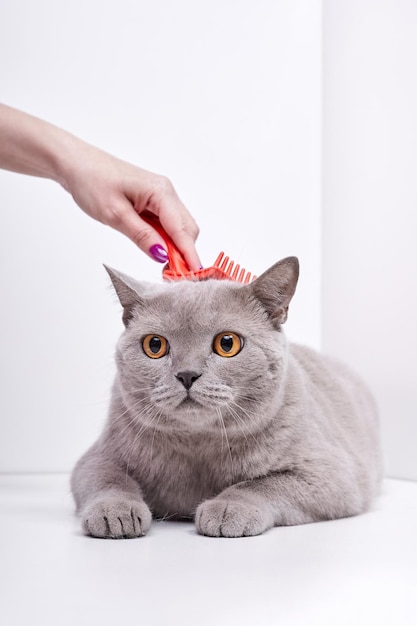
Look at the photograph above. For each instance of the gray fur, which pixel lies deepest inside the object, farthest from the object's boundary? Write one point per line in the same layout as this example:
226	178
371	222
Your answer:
276	435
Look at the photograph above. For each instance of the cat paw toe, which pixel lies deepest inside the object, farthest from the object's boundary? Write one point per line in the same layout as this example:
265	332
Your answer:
230	518
116	519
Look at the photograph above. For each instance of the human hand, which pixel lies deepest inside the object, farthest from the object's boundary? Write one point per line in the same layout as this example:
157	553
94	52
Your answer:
115	193
111	191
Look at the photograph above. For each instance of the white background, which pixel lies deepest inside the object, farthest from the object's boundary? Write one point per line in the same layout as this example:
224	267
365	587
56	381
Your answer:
221	96
226	99
370	207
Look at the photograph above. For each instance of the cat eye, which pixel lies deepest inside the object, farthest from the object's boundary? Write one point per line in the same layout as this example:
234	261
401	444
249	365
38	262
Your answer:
155	346
227	344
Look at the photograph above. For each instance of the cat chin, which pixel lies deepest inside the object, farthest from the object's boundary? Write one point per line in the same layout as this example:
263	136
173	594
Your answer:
194	402
195	415
190	404
189	421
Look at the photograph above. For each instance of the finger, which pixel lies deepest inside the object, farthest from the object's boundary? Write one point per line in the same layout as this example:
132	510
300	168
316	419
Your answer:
176	221
185	243
182	228
125	219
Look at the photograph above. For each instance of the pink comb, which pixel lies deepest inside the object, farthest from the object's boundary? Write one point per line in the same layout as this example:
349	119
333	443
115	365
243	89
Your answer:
177	269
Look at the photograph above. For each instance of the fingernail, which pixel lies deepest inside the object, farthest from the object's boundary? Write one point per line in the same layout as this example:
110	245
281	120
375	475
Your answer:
158	253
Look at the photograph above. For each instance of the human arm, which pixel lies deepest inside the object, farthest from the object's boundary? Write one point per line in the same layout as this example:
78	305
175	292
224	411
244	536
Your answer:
108	189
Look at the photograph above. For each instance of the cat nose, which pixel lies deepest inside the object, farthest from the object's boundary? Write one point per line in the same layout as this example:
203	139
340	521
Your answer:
187	378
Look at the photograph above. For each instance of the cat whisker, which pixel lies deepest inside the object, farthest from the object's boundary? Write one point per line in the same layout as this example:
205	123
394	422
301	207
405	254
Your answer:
165	518
235	411
157	417
244	411
239	422
151	418
119	395
224	430
139	410
133	419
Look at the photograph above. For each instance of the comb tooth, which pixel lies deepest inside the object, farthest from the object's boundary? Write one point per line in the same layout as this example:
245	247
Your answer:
218	261
230	268
224	267
224	263
235	271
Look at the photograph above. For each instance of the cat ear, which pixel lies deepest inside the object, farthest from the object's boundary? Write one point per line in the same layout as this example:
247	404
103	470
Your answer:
275	288
126	292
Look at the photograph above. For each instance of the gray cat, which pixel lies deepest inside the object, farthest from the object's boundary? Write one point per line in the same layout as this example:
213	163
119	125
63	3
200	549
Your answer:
216	417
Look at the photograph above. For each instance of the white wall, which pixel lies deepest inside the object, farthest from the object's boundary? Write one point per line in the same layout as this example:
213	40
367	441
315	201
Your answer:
224	97
370	207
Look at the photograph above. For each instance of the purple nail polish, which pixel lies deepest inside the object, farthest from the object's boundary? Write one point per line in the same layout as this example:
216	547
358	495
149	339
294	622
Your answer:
158	253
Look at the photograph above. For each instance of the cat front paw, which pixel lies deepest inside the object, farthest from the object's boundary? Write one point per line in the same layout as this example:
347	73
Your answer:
231	518
116	518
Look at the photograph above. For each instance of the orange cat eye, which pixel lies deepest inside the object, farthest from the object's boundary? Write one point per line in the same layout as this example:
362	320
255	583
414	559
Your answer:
227	344
155	346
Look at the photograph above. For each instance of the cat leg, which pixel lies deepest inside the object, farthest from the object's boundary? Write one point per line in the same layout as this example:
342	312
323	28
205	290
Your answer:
230	515
108	500
280	499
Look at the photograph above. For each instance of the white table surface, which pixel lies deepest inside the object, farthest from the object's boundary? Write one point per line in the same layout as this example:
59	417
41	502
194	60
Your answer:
357	571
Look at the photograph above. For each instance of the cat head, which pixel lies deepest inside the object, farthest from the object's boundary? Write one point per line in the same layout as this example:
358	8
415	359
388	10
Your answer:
194	351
